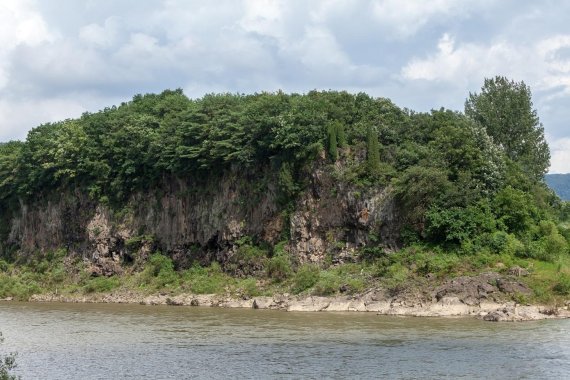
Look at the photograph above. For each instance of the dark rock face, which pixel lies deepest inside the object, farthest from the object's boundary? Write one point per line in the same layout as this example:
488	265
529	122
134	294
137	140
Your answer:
333	216
512	287
202	221
469	289
472	290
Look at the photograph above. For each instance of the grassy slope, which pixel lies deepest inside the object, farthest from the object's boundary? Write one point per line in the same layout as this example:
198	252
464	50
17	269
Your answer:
410	268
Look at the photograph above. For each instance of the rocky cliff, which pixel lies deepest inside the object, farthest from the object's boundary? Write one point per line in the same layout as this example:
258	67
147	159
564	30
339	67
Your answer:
202	220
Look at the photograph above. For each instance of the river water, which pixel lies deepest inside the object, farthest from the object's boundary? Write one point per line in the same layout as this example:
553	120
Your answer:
110	341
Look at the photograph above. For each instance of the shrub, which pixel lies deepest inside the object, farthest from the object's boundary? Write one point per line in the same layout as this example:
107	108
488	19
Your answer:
159	272
562	287
21	288
548	248
205	280
371	254
555	244
396	275
248	287
305	278
501	242
248	260
279	268
101	284
438	264
328	283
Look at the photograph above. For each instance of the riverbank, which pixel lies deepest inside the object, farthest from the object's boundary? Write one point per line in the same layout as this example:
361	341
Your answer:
487	296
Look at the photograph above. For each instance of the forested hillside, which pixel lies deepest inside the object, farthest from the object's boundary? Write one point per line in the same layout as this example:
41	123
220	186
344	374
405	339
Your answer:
254	175
560	183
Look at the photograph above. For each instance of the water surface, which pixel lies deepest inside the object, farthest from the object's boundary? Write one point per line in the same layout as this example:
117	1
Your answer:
110	341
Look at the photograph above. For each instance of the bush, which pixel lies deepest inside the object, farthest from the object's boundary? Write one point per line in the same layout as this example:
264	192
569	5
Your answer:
248	287
279	268
555	244
248	260
371	254
159	272
205	280
562	287
20	288
396	275
101	284
548	248
457	224
328	283
305	278
501	242
438	264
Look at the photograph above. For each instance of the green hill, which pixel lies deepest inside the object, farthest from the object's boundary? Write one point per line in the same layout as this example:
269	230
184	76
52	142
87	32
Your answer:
560	183
264	191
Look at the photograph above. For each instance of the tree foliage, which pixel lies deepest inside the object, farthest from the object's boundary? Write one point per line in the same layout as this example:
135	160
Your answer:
504	108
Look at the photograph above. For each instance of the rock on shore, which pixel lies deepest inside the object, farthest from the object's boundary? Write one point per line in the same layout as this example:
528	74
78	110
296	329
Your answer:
483	296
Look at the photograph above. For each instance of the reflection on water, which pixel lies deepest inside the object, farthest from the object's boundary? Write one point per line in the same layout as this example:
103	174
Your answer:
86	341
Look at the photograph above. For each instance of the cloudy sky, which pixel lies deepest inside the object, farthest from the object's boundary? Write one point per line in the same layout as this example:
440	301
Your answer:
60	58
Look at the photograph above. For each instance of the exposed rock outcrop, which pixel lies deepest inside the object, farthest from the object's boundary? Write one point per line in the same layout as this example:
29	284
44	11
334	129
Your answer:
202	220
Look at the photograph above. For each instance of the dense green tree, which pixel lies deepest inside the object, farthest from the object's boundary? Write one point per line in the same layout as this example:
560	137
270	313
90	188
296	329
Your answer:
504	107
9	159
372	152
340	134
332	132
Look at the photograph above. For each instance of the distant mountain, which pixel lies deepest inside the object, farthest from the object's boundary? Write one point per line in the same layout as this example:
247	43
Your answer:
560	183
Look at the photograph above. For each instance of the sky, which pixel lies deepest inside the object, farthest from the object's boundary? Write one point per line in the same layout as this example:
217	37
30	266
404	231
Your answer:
60	58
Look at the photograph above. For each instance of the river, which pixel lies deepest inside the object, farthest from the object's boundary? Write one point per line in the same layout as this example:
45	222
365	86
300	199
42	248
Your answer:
112	341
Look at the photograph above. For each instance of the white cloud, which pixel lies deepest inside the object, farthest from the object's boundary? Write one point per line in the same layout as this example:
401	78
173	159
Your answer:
469	63
20	24
406	18
556	71
264	17
103	36
560	155
538	63
24	115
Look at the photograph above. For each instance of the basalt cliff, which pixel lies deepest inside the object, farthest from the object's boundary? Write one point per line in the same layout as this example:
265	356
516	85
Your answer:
202	221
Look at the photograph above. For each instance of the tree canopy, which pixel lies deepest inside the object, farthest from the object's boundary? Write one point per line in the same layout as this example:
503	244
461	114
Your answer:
504	108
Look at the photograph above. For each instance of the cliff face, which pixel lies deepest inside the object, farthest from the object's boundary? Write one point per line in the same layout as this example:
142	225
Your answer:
203	221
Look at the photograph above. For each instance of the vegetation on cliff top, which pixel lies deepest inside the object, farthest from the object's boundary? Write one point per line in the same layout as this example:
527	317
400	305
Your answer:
468	184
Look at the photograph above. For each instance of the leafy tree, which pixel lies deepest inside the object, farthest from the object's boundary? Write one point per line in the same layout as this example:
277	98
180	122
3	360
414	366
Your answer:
332	142
9	158
504	108
418	189
340	135
372	152
515	210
